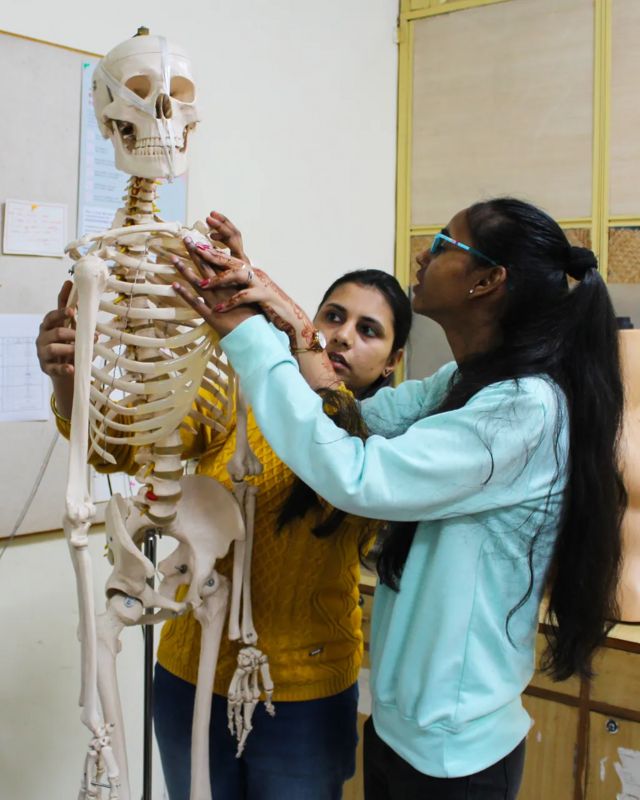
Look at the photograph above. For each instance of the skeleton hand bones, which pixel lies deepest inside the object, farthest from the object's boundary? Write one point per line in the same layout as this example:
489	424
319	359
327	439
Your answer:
244	693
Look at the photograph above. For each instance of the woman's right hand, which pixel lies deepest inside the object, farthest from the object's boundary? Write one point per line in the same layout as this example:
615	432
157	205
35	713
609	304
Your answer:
55	344
226	233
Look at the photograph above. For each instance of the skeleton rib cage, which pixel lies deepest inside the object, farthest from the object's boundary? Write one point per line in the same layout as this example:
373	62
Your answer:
156	354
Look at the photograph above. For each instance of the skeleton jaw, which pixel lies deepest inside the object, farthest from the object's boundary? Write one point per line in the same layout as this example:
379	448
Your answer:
146	154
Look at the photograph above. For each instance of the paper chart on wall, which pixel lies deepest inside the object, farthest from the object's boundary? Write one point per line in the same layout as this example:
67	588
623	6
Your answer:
101	185
33	228
24	389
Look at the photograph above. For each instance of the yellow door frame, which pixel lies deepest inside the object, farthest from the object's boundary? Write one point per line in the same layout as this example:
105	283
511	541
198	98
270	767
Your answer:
599	222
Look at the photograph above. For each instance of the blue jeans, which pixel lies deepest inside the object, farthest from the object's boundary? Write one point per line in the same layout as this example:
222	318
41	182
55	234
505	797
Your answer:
306	752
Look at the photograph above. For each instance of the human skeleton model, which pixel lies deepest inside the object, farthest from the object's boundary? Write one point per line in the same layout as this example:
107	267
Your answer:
154	363
629	592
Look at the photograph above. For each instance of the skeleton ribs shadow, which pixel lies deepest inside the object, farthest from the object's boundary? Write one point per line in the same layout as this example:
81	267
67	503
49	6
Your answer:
145	367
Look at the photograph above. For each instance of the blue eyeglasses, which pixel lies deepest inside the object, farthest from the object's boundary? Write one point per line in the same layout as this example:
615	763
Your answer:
437	246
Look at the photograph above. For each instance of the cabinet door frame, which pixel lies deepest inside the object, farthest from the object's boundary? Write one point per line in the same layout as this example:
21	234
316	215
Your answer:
587	706
598	224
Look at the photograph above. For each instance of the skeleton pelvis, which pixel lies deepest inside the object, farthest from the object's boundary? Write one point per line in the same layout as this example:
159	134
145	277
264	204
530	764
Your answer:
208	519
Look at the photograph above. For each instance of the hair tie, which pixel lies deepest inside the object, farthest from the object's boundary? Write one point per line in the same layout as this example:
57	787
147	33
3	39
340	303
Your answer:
581	260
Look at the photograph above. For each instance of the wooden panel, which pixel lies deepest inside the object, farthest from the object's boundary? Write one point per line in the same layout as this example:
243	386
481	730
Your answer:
542	681
580	237
617	681
551	751
366	602
625	109
354	789
624	255
503	104
613	768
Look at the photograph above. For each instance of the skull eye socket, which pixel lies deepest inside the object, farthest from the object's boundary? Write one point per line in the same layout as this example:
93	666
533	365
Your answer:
182	89
140	85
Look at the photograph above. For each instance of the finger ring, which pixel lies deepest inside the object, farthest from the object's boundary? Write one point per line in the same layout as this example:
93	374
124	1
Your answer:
249	275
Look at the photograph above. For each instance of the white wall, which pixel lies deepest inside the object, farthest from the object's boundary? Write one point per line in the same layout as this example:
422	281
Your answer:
298	104
297	145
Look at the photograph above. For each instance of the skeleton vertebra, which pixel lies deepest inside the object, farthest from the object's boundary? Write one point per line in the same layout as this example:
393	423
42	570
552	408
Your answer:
154	363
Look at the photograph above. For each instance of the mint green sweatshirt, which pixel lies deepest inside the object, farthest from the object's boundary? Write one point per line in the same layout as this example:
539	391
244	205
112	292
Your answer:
483	481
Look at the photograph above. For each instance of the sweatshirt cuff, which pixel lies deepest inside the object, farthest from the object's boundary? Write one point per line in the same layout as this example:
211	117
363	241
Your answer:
255	346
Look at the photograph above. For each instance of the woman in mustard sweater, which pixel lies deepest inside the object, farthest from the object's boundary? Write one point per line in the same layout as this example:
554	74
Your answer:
305	574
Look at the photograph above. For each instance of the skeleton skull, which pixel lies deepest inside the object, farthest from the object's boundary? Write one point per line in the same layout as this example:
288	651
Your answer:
149	128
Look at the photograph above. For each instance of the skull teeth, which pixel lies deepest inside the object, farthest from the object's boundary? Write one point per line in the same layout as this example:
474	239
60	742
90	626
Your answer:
140	150
155	144
150	145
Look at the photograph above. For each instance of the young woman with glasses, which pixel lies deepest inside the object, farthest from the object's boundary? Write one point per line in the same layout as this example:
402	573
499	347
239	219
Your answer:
500	472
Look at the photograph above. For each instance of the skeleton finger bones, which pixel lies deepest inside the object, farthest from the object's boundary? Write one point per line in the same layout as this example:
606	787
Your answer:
244	693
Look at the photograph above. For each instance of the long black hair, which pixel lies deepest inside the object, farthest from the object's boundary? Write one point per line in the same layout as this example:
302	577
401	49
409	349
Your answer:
340	406
569	335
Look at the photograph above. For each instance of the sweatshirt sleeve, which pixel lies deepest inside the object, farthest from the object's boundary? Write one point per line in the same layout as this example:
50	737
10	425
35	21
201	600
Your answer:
483	456
390	411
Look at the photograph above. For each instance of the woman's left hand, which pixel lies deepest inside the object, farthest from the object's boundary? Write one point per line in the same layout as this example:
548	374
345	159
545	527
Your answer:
228	291
209	301
244	285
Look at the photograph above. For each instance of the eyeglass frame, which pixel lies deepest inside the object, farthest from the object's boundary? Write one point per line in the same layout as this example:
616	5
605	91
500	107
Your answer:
436	247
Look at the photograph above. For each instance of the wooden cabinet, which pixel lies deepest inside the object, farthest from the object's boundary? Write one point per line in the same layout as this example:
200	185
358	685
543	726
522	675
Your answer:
570	688
585	742
617	681
613	765
552	746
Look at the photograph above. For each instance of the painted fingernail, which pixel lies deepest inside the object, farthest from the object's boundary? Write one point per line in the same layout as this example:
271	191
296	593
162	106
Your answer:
201	246
175	286
203	284
219	307
188	240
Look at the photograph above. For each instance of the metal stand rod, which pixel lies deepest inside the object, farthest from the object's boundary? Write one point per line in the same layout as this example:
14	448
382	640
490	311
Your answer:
150	552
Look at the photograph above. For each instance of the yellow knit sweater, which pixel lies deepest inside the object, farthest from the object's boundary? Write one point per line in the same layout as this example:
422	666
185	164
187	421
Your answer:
304	589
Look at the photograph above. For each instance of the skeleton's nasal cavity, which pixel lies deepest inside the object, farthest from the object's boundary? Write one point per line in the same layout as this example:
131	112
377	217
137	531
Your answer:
163	106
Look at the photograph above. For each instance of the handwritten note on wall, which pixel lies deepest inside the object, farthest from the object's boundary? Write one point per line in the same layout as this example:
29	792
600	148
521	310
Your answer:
34	229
